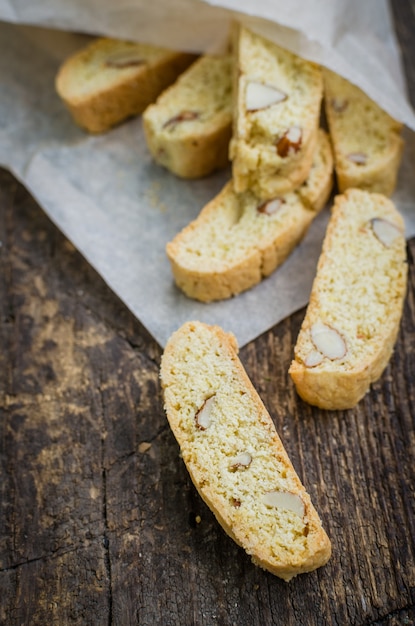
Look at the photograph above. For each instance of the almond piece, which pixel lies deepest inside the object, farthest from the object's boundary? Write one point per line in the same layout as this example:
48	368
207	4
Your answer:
183	116
124	58
385	231
360	158
261	96
269	207
242	461
328	341
339	104
313	358
202	416
285	500
290	142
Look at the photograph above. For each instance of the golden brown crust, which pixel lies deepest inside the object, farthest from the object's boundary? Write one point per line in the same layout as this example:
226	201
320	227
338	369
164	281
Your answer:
280	542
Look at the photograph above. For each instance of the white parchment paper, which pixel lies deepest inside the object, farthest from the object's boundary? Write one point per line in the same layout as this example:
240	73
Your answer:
106	194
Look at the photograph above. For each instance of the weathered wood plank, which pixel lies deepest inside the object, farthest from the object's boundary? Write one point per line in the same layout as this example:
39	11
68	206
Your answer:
93	481
99	522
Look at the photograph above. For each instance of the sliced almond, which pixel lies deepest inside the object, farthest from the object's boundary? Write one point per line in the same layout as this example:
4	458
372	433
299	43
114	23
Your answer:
339	104
203	415
328	341
242	461
285	500
144	446
290	142
385	231
124	58
183	116
360	158
261	96
269	207
313	358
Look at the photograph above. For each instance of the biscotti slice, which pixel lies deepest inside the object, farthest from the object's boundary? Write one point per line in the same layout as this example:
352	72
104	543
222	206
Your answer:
238	239
366	141
111	80
277	102
189	128
356	302
234	456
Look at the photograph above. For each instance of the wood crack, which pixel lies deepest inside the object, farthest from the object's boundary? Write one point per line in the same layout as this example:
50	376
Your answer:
396	617
54	554
106	533
106	544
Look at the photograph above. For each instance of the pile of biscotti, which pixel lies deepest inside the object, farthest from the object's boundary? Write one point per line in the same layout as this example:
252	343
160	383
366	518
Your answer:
260	106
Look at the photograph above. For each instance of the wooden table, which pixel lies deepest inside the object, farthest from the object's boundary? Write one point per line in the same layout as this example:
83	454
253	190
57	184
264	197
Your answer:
99	522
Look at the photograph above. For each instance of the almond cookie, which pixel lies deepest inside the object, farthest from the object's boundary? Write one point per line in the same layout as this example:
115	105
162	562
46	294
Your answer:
111	80
367	142
238	239
356	302
277	102
234	455
189	128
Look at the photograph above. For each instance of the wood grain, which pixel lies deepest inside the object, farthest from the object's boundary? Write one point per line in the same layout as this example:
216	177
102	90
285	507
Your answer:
99	522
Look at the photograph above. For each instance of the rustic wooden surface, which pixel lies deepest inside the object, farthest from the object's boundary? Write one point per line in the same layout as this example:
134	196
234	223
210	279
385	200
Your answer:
99	522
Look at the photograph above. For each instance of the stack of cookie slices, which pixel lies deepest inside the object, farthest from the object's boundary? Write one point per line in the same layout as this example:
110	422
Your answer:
259	106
